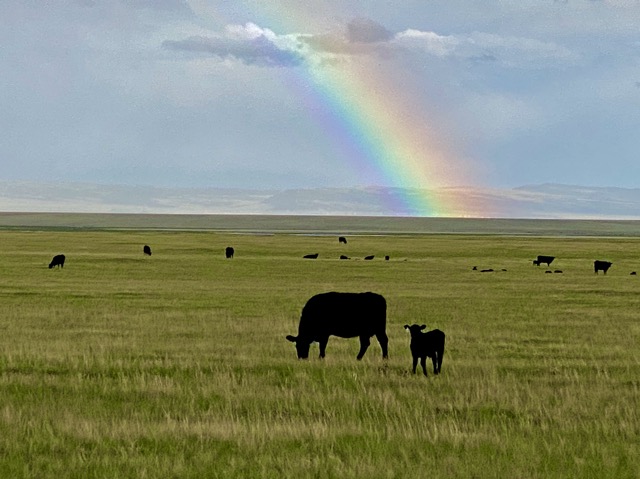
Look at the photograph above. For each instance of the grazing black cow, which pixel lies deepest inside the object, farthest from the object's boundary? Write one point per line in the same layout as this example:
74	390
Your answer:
633	273
369	257
342	256
58	260
424	345
311	256
228	252
342	239
544	260
346	315
490	270
601	266
386	258
146	249
558	271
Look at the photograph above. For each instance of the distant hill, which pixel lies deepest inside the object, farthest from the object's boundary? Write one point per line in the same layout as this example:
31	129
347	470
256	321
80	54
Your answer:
531	201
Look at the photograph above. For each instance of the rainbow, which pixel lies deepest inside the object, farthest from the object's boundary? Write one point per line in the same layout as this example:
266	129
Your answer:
376	125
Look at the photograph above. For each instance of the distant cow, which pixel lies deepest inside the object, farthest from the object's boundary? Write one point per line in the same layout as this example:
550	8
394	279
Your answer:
601	266
346	315
342	239
386	258
228	252
311	256
58	260
544	260
146	249
343	257
369	257
424	345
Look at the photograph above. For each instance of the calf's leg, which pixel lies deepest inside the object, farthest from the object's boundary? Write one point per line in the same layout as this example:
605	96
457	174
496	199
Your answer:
423	363
434	361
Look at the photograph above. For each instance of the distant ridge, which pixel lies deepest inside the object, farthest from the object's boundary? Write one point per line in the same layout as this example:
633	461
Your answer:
546	201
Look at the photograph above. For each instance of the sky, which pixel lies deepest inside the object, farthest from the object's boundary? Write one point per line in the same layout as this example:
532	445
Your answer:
334	93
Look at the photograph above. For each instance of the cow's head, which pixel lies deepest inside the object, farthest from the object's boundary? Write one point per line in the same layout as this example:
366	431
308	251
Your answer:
301	346
415	329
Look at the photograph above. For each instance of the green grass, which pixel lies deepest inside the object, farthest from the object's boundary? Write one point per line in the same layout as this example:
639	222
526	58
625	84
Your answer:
175	365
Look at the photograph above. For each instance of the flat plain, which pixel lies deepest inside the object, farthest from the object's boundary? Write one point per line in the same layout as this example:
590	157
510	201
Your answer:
176	364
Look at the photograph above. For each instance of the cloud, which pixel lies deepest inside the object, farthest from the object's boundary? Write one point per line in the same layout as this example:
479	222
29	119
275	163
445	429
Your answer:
248	43
508	51
360	36
364	30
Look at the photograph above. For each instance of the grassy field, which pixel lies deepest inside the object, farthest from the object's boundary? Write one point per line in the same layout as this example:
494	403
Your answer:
176	365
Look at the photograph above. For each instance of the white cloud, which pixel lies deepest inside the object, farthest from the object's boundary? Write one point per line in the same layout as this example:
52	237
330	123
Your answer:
514	52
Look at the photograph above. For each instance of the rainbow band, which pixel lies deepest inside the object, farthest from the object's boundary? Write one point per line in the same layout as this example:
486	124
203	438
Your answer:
366	116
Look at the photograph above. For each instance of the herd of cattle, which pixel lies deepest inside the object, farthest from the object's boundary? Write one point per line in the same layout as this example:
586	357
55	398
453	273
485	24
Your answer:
362	315
598	265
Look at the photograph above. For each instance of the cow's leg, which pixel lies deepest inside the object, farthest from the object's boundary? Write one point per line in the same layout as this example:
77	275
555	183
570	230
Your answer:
415	364
365	341
423	363
384	342
323	346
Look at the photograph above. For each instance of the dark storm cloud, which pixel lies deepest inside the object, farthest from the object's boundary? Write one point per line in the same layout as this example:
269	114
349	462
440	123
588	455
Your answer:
259	51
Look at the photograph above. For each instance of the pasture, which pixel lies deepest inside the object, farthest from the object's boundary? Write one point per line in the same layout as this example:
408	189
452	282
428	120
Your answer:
176	364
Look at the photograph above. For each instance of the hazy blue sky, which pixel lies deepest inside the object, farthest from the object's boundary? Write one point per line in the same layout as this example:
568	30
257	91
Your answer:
218	93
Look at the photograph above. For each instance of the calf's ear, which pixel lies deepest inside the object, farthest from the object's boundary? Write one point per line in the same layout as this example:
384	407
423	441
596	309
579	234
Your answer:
293	339
424	326
406	326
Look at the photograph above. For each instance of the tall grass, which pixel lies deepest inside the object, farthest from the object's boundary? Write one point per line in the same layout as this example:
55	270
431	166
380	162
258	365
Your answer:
175	365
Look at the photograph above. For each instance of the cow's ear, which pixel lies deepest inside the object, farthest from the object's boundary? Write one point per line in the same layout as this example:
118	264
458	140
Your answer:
424	326
293	339
406	326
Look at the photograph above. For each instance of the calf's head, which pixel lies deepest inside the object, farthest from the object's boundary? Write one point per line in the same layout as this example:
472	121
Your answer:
302	346
415	329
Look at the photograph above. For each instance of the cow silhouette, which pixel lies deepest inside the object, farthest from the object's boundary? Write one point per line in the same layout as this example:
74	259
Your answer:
601	266
424	345
311	256
228	252
543	260
346	315
58	260
342	239
146	249
370	257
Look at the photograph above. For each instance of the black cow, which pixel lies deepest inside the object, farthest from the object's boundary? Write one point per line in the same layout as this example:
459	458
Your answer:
311	256
342	256
346	315
386	258
228	252
423	345
601	266
58	260
146	249
342	239
544	260
369	257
